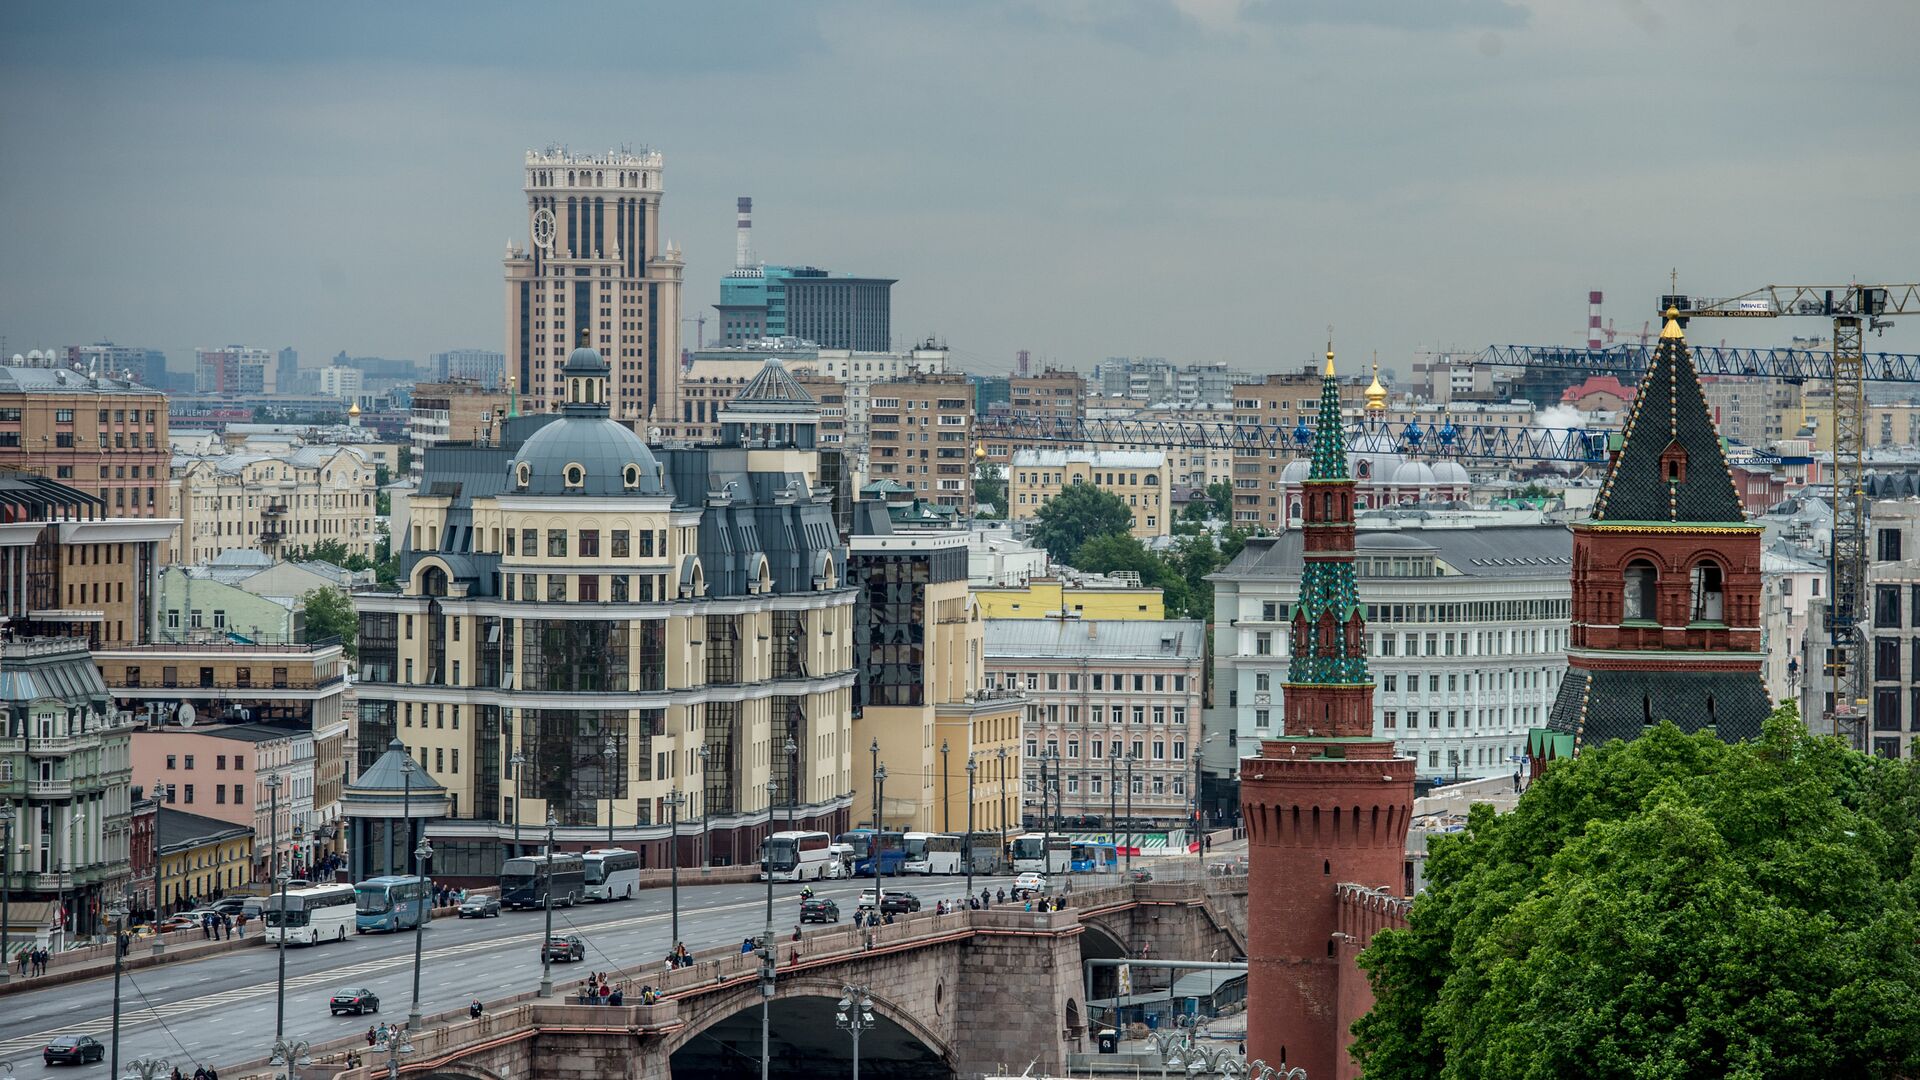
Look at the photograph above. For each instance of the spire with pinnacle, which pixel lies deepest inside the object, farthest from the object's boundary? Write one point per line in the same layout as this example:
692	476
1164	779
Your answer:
1329	449
1671	466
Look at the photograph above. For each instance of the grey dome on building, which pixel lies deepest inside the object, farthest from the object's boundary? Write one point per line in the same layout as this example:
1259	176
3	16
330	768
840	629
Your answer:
583	451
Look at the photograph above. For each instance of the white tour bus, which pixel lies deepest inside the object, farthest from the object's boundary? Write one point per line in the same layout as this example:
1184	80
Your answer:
799	856
932	853
1042	853
612	873
309	916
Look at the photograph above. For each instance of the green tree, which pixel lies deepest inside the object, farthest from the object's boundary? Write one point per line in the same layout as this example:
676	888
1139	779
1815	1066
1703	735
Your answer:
1077	515
329	613
1668	907
405	465
990	486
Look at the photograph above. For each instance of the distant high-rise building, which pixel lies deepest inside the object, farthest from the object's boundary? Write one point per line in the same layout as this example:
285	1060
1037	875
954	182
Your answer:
804	302
483	367
288	371
234	370
148	367
920	429
597	274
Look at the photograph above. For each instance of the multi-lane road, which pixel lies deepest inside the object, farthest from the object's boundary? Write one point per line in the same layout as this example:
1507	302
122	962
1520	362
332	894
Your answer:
221	1009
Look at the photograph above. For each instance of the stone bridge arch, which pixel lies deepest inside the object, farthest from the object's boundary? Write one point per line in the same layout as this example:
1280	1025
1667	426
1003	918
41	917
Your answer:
717	1007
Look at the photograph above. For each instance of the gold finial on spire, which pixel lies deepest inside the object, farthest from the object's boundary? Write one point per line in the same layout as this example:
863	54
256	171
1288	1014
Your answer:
1330	371
1671	331
1376	393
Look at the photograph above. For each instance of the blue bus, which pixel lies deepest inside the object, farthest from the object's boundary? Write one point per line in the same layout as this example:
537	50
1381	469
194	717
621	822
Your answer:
1095	857
392	903
892	846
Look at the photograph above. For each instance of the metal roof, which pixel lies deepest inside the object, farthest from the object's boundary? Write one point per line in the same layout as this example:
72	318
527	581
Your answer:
1107	639
1490	551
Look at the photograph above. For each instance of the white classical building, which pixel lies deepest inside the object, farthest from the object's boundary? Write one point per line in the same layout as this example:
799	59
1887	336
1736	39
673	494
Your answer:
1467	622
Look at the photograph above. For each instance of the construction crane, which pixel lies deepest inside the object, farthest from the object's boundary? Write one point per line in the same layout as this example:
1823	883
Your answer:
1488	442
1645	335
1794	365
1854	309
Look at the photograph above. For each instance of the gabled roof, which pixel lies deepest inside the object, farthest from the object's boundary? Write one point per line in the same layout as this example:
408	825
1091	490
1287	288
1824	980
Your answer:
1669	410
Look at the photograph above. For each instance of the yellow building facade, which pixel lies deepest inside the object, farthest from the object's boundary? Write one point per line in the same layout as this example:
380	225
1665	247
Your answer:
1140	478
200	855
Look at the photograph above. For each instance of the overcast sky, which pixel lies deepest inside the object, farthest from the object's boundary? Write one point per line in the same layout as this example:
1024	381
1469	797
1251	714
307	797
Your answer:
1195	179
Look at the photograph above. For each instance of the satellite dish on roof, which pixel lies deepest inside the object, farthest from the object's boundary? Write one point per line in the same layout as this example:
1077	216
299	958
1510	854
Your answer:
184	714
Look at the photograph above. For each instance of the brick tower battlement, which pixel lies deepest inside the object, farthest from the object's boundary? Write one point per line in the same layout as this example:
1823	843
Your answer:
1326	805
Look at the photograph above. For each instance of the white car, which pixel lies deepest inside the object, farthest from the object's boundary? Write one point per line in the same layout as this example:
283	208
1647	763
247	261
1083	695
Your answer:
1030	882
866	900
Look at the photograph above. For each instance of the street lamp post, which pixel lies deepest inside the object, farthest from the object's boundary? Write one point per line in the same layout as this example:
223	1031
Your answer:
706	851
143	1068
879	799
853	1016
766	948
967	845
1113	795
159	872
515	762
420	855
1002	755
546	957
793	788
946	792
612	753
118	913
292	1053
674	802
875	751
399	1041
6	892
1130	760
279	921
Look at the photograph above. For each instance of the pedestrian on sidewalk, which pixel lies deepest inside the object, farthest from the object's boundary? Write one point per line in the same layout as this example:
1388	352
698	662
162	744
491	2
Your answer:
370	1042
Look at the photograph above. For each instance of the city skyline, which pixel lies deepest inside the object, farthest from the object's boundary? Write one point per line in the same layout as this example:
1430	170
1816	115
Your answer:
1421	175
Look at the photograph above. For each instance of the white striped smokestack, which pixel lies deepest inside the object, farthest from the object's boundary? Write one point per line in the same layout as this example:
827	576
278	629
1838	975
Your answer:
1593	319
743	233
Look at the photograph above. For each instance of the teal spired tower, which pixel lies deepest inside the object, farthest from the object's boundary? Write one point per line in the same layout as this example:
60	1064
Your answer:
1328	688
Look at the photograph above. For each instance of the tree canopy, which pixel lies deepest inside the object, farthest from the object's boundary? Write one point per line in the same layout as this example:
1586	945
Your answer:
329	613
1668	907
1076	515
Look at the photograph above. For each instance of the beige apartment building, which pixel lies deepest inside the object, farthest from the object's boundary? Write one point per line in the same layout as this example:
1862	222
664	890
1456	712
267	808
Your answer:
596	272
277	502
455	411
1141	479
1279	402
924	711
1103	693
920	435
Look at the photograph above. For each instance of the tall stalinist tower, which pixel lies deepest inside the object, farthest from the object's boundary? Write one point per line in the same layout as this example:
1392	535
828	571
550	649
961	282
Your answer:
1326	804
596	263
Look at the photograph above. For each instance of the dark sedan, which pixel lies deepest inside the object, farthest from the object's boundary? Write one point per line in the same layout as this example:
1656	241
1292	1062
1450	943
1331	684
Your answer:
899	903
480	907
356	1001
73	1049
566	947
819	909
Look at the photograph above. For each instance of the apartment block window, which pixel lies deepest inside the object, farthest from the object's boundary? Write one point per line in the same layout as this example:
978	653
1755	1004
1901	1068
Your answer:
189	762
1390	720
1095	748
1179	749
1260	718
1179	715
1433	720
1390	683
220	761
1159	714
1179	684
556	588
1261	681
1033	747
189	793
529	542
1263	643
1886	605
1888	545
1073	748
1139	714
1099	682
239	794
170	761
1116	714
220	794
556	543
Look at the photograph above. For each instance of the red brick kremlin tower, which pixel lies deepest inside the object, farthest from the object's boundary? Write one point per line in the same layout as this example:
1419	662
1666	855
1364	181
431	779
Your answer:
1324	805
1666	581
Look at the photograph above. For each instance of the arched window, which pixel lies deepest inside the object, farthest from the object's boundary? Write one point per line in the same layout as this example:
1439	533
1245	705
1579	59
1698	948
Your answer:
575	475
1637	598
1707	594
522	474
631	476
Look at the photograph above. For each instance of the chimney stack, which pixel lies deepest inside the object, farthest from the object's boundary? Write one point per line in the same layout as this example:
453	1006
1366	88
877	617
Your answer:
743	233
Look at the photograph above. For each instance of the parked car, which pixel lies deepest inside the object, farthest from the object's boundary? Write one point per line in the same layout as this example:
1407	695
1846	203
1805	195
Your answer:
356	1001
480	907
74	1049
899	903
565	947
1029	883
1139	875
866	900
819	909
